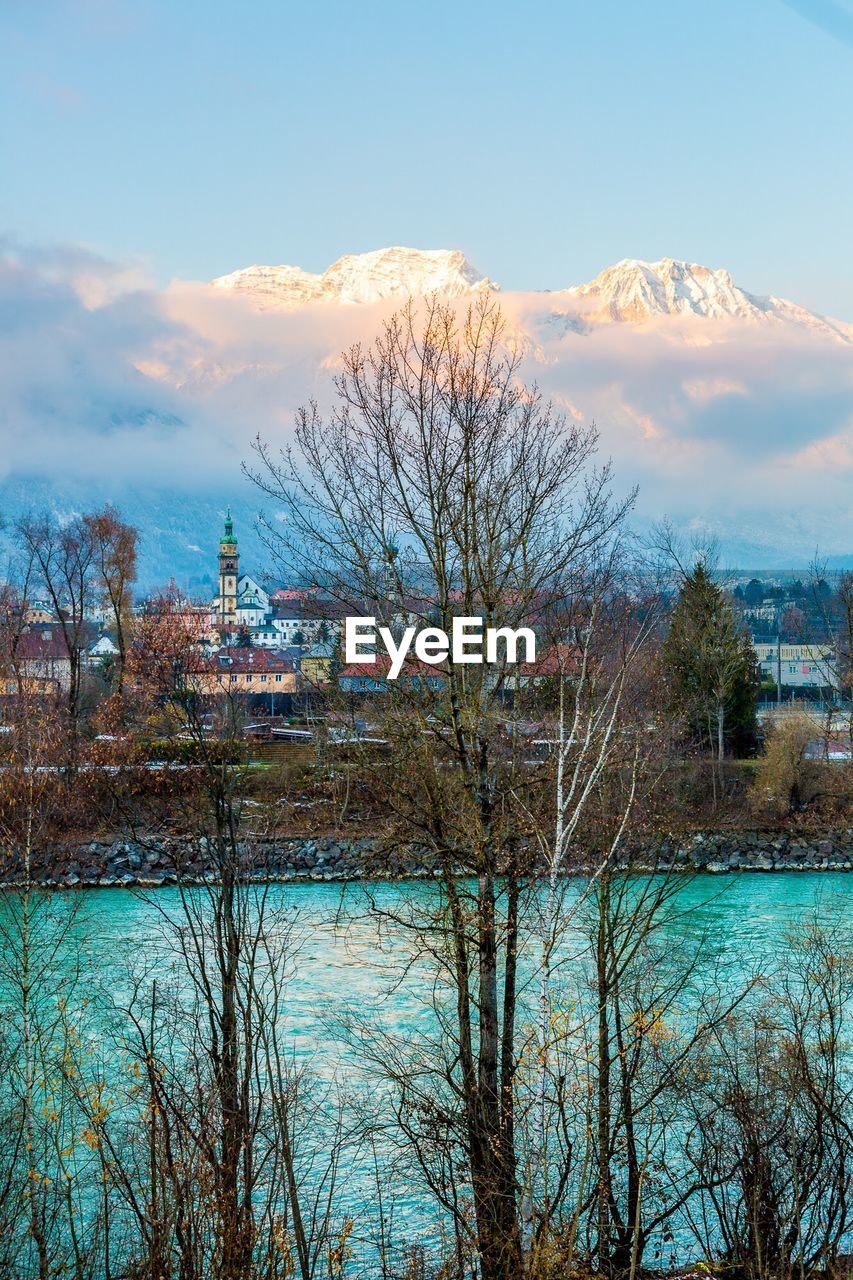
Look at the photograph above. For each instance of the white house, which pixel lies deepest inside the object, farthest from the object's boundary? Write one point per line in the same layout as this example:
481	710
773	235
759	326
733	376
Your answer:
305	622
797	665
104	647
265	635
253	603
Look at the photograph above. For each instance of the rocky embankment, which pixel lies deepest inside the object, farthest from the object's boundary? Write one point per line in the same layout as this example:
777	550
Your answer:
149	863
723	851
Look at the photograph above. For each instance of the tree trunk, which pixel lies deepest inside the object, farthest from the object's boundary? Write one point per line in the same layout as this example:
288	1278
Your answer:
492	1159
236	1224
721	732
603	1084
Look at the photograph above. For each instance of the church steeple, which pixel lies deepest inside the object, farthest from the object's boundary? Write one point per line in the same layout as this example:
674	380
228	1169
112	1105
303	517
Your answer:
229	560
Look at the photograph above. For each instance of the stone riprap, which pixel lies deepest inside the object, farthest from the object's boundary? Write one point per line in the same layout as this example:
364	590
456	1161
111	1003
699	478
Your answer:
159	861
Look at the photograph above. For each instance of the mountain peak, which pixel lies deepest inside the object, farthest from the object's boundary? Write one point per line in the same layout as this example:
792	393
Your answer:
635	291
362	278
631	291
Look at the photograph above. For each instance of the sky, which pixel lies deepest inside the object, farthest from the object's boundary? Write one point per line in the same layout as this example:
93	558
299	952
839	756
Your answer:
148	146
547	141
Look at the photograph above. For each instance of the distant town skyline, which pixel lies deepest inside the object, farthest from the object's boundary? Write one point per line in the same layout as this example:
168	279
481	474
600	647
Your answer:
185	141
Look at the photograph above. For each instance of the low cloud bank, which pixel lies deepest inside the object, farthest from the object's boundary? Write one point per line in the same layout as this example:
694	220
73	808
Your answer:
745	428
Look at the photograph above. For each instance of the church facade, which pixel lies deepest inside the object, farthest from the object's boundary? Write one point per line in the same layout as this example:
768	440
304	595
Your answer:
287	618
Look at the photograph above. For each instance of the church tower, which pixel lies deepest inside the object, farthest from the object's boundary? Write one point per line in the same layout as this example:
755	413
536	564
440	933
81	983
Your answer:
228	562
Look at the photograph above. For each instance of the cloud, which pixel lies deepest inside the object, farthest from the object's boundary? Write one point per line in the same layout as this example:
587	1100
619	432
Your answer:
828	457
108	379
75	403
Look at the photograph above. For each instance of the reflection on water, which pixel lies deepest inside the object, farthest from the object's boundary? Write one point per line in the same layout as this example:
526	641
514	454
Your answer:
346	960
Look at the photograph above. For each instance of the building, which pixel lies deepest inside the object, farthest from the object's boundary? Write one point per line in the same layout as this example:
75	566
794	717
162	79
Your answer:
293	594
41	664
559	661
306	624
288	616
265	636
764	616
229	561
100	614
797	666
38	612
246	671
253	603
318	663
104	647
370	677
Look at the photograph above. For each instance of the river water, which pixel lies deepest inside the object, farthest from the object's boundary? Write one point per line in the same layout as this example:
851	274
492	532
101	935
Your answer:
344	958
347	959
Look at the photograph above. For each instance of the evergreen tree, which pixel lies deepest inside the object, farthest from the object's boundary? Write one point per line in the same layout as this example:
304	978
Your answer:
710	664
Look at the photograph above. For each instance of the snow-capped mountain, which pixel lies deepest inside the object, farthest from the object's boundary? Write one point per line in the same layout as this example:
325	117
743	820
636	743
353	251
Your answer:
634	291
361	278
631	291
726	408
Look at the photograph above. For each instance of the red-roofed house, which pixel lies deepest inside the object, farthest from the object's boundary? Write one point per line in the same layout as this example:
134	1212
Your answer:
246	671
42	662
560	659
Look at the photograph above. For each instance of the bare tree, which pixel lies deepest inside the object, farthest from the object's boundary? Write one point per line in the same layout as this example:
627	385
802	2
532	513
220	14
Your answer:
440	486
770	1136
39	963
115	544
238	1177
64	558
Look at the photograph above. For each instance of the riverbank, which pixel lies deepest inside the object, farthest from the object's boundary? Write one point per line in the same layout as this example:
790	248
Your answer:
161	861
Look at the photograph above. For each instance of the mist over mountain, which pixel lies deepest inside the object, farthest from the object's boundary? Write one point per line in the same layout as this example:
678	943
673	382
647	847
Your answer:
732	411
631	291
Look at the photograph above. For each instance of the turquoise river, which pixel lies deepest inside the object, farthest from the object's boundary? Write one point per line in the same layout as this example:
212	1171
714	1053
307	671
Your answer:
346	963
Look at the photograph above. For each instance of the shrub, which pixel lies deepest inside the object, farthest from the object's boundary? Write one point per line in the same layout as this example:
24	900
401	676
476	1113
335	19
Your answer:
188	751
785	779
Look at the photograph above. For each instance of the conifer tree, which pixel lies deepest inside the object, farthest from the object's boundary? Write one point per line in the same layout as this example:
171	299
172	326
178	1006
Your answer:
711	670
